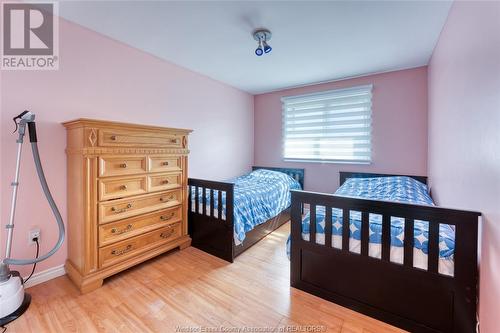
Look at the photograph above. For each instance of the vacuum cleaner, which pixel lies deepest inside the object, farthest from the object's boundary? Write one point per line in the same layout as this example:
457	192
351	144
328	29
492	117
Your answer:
14	301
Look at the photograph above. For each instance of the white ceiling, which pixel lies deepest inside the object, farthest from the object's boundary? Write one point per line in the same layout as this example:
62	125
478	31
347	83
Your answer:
312	41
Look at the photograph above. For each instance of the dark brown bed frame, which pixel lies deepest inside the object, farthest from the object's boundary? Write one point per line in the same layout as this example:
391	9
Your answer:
215	235
400	294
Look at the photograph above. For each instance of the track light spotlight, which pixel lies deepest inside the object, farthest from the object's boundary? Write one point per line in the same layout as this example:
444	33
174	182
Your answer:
262	36
259	50
267	48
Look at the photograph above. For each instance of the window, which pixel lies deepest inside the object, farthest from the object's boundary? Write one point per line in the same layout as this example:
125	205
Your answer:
331	126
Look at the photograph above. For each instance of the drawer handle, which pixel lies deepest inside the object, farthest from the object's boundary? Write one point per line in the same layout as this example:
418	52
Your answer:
165	163
123	251
123	187
124	230
174	140
166	218
168	199
165	182
113	137
167	233
123	165
118	211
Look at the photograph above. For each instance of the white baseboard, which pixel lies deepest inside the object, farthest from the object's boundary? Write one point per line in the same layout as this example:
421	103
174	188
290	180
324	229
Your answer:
46	275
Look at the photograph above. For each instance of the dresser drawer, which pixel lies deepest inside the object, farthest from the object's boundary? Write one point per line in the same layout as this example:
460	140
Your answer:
117	231
113	188
164	163
111	254
123	165
122	208
166	181
121	138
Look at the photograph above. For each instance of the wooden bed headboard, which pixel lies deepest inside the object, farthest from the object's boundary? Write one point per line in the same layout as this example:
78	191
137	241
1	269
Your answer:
297	174
345	174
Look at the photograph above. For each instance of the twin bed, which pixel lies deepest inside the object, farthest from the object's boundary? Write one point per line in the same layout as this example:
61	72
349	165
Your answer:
398	189
226	218
379	245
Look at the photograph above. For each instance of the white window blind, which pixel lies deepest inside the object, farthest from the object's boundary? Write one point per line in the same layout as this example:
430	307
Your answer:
330	126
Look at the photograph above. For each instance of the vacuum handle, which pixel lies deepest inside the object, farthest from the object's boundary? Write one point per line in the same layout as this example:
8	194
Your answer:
20	116
25	117
32	130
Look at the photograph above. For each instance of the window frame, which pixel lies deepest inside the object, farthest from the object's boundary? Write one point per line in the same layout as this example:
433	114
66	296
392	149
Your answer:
327	92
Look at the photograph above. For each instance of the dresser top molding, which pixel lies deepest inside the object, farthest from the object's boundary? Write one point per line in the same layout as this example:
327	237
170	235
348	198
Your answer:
85	122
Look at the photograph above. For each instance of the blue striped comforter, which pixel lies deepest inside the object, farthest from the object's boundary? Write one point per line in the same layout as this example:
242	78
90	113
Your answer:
258	197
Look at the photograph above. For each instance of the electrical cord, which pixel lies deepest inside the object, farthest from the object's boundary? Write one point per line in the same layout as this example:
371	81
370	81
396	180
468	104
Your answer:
36	257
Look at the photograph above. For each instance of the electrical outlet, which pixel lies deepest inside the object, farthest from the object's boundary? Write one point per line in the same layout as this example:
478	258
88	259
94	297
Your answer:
34	233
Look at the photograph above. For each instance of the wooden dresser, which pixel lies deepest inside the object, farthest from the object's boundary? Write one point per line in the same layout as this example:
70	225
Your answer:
127	196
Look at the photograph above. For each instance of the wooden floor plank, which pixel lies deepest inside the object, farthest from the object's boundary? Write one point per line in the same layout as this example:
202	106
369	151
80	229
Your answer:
192	289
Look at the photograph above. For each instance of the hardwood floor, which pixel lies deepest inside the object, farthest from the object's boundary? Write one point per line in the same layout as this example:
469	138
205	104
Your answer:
192	290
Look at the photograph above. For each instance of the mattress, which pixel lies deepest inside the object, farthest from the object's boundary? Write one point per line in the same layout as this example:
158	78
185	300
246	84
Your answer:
397	189
258	197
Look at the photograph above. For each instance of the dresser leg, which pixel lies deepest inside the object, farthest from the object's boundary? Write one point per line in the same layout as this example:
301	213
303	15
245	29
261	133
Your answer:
90	286
185	244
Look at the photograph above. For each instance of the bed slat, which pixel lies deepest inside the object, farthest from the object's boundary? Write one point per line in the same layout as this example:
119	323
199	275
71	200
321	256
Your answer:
197	199
229	208
211	202
219	204
345	229
204	200
312	223
365	233
328	226
386	237
433	262
408	243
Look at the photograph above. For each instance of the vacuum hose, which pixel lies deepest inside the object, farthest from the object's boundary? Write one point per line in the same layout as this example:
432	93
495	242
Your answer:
50	199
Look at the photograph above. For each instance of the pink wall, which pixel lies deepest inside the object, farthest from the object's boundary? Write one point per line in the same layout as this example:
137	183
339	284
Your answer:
399	136
104	79
464	132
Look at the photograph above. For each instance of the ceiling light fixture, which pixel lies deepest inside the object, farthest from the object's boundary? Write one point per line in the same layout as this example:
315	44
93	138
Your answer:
262	36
